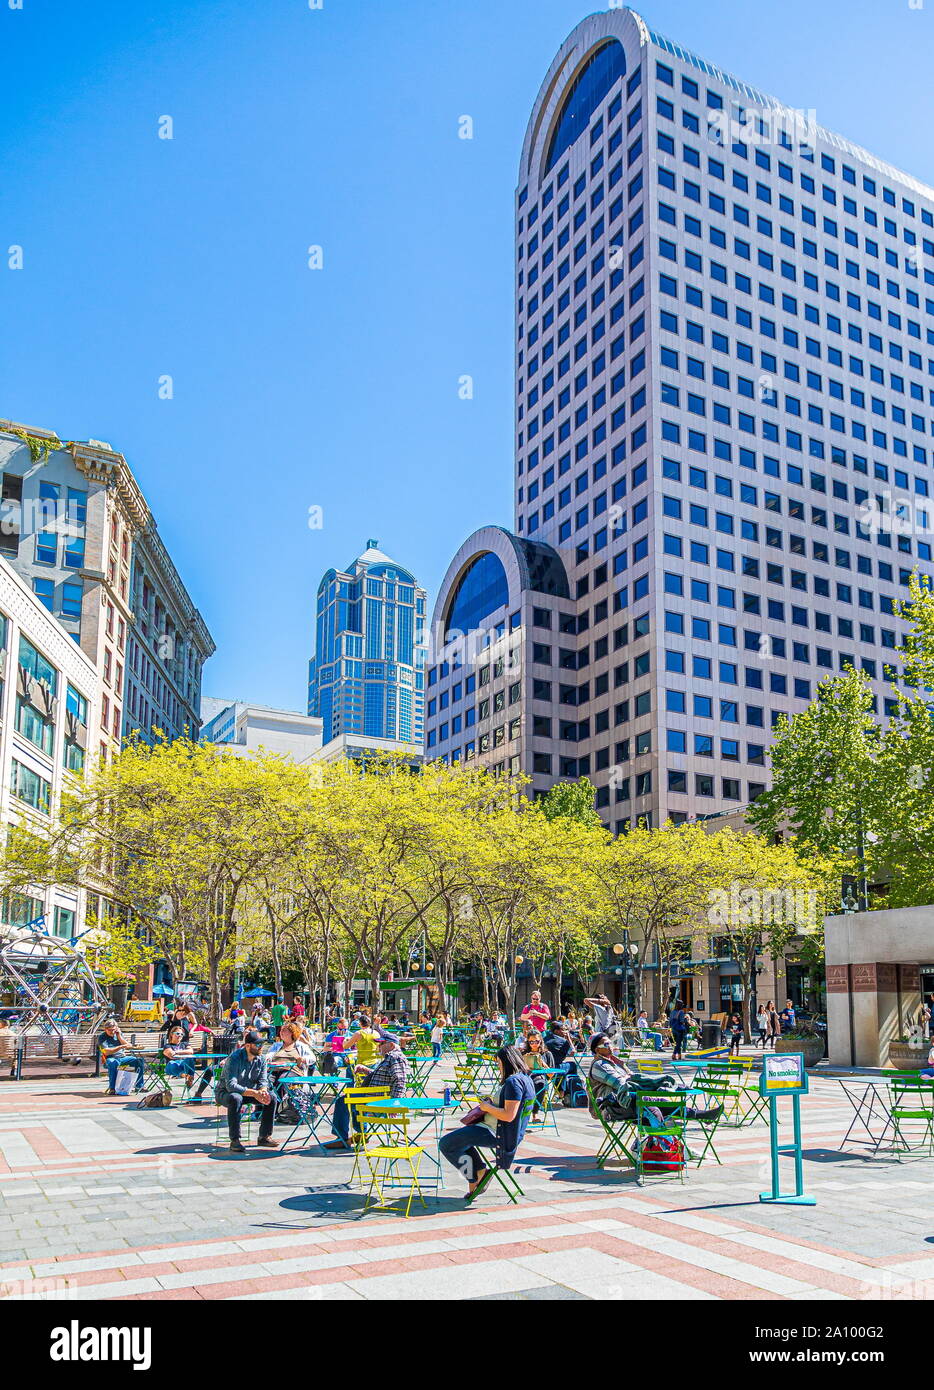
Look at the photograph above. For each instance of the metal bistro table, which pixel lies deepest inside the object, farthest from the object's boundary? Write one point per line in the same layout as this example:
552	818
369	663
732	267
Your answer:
869	1101
420	1069
215	1059
320	1103
433	1107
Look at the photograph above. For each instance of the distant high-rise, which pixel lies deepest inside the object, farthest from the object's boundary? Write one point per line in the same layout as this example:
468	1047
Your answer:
365	677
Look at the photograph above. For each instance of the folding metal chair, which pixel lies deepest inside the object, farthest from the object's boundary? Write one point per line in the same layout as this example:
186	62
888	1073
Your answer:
389	1129
912	1110
673	1110
616	1133
545	1104
708	1126
465	1091
503	1174
354	1096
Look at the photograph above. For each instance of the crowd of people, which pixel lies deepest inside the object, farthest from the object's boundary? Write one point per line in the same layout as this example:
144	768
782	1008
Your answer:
369	1049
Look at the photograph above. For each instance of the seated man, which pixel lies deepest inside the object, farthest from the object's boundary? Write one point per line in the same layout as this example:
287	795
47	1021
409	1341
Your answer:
114	1050
615	1087
646	1034
392	1070
245	1077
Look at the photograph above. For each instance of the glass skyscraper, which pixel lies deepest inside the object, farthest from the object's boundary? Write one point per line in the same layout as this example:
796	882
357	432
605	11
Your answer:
724	373
366	677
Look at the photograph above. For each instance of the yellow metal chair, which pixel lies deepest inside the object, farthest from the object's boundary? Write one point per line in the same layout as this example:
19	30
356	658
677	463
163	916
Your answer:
355	1096
385	1146
650	1066
465	1085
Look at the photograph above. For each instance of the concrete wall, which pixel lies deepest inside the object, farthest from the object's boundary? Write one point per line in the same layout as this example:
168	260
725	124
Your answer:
873	993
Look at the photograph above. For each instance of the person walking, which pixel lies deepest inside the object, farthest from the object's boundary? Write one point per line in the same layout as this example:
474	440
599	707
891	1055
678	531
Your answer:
437	1038
678	1023
536	1013
762	1026
277	1015
774	1025
735	1030
788	1018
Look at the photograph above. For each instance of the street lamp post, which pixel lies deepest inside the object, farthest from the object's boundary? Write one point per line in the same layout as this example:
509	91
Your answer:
630	954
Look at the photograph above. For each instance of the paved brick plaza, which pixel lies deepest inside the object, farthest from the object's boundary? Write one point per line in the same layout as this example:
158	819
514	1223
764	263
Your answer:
102	1200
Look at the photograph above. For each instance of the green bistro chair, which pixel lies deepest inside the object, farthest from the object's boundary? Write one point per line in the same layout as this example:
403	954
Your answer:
547	1111
503	1175
673	1108
617	1134
726	1088
713	1092
911	1104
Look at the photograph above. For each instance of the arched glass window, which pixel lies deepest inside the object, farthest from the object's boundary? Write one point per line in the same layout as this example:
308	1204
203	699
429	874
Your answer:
605	66
482	590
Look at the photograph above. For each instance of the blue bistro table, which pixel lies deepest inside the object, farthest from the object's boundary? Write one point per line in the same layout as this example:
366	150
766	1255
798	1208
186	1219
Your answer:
434	1108
321	1103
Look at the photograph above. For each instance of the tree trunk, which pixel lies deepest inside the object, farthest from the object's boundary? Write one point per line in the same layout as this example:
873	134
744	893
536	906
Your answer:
214	1011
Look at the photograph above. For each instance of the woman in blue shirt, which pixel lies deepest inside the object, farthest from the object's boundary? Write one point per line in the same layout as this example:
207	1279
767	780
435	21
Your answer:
503	1127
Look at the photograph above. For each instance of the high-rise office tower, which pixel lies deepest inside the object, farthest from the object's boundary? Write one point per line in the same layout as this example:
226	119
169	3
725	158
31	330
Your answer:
366	677
724	409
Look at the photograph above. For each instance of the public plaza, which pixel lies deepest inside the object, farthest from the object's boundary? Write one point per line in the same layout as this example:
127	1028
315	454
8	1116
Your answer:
106	1201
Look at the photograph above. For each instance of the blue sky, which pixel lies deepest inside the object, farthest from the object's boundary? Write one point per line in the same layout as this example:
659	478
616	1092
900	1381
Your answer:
335	388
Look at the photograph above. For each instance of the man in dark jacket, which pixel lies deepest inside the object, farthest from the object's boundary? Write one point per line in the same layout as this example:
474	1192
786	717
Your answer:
245	1078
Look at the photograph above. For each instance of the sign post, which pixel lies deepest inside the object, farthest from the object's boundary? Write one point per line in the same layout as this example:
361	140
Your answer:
784	1074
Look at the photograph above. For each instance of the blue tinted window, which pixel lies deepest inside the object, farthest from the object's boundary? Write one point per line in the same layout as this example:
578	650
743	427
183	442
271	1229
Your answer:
481	591
606	66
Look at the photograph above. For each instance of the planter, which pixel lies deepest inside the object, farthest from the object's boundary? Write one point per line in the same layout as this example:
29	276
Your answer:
118	994
813	1048
906	1057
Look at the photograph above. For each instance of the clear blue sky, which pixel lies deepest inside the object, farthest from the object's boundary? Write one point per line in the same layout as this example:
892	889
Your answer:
335	388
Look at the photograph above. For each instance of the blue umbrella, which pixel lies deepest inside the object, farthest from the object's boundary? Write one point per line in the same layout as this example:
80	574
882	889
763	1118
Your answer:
162	989
258	993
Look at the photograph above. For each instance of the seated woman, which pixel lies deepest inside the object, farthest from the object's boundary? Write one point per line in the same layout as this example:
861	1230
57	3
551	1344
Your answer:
177	1053
290	1056
291	1053
537	1058
503	1127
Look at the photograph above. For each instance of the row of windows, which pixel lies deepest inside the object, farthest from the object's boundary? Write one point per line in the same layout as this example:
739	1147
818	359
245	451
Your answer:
691	191
668	287
699	370
757	127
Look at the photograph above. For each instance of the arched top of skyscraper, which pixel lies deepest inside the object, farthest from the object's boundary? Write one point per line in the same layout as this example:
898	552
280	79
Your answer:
489	574
589	67
592	61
